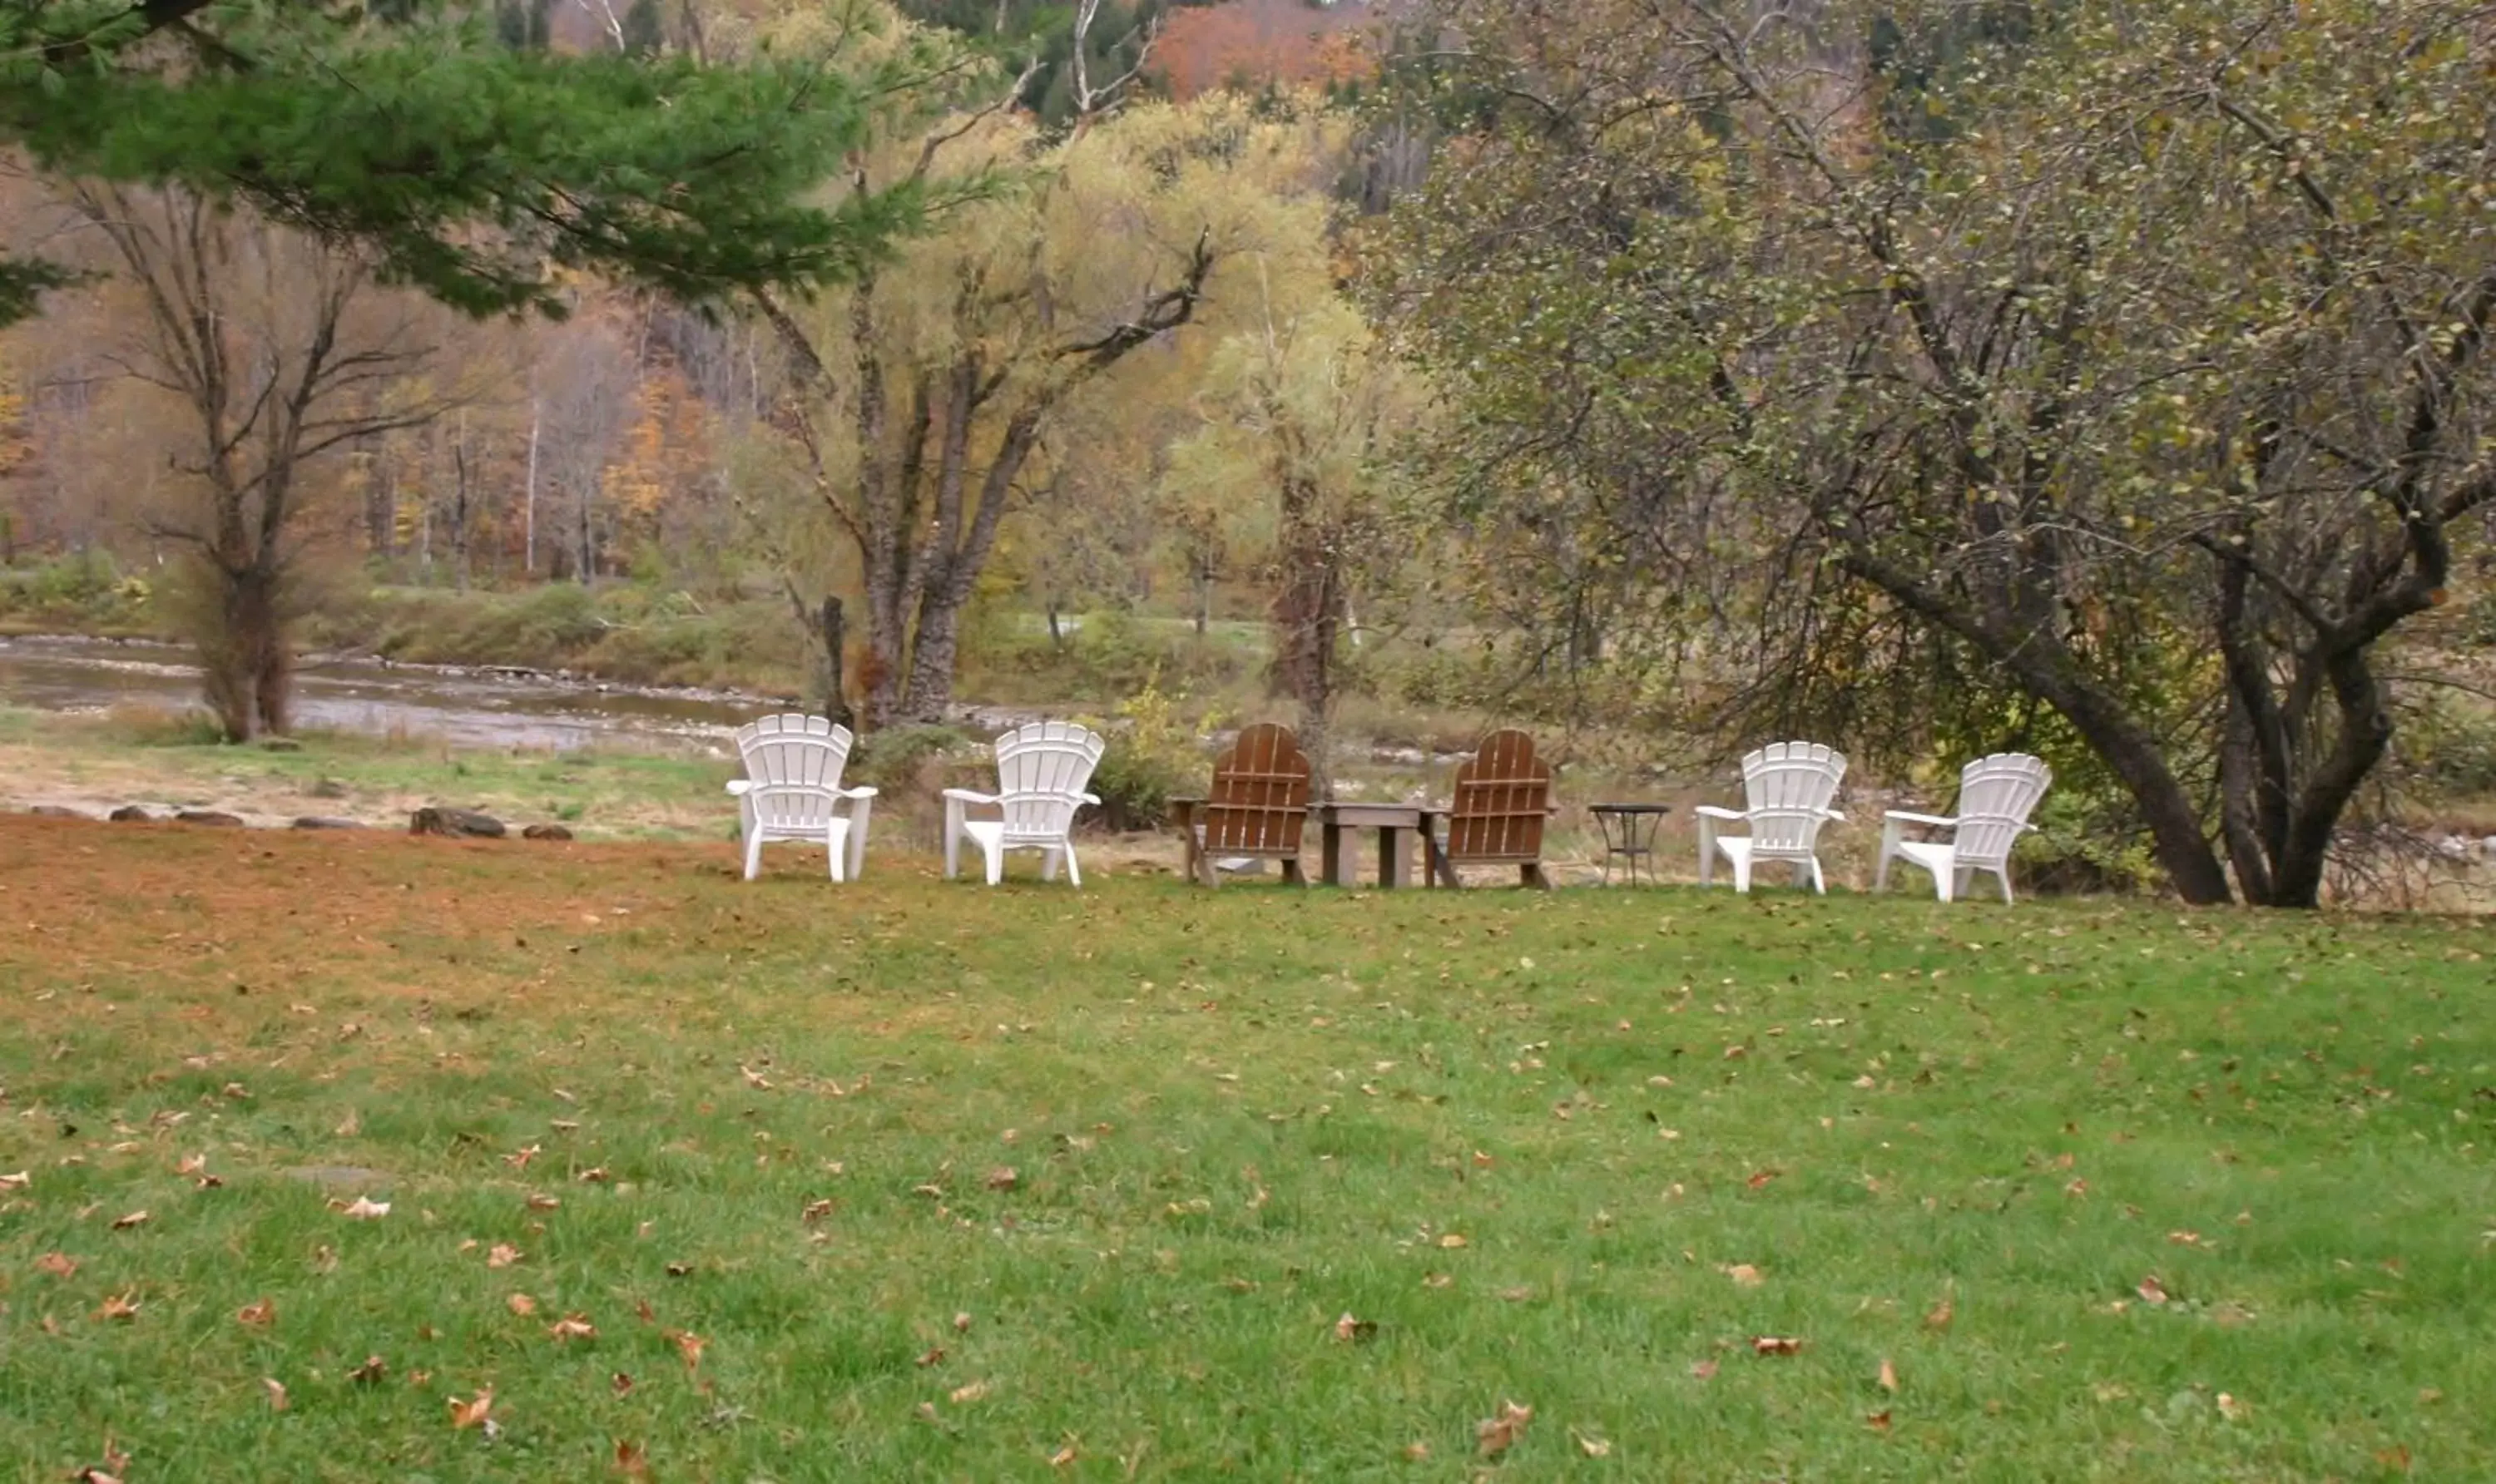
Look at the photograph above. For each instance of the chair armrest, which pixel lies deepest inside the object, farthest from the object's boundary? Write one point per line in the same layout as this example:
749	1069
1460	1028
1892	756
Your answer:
861	791
1933	820
1714	813
738	785
972	796
1089	798
1838	815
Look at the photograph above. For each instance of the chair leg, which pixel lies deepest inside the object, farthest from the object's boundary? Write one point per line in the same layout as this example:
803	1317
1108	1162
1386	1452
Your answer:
1945	884
1048	857
1743	874
1073	872
1818	881
861	811
996	861
834	843
1707	852
2004	876
952	838
753	853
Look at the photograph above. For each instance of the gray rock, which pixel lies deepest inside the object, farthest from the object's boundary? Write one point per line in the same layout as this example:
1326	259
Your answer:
327	788
130	813
436	819
56	811
211	817
545	832
319	821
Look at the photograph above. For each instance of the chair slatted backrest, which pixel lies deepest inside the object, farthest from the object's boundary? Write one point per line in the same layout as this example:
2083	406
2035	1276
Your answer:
795	764
1791	786
1043	768
1502	802
1260	801
1996	794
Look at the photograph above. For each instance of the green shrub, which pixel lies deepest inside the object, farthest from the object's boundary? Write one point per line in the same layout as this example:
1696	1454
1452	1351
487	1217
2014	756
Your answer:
892	759
1152	754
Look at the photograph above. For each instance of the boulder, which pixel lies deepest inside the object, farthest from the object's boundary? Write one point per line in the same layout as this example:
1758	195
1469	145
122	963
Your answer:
55	812
130	813
319	822
545	832
436	819
212	816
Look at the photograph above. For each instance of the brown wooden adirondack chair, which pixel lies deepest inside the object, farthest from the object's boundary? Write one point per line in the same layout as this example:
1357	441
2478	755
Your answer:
1503	800
1258	807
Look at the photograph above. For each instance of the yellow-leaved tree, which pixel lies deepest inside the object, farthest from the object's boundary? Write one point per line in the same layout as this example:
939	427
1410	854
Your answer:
928	398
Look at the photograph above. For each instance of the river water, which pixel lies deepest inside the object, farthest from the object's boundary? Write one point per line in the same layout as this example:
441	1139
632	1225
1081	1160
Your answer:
463	706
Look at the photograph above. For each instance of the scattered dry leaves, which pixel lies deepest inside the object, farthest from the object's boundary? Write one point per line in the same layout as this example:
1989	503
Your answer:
1062	1457
816	1210
621	1383
119	1305
1702	1370
688	1345
371	1373
1495	1436
364	1209
1744	1275
961	1323
969	1392
538	1202
631	1460
1888	1374
1939	1317
1776	1345
58	1265
934	1356
258	1313
1452	1240
2233	1407
2152	1292
17	1182
1003	1177
1879	1421
1593	1448
596	1174
521	1304
572	1326
276	1393
1348	1329
502	1255
133	1218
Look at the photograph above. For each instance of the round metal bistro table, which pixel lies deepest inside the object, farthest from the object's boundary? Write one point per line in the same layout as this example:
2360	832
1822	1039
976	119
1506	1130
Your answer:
1629	837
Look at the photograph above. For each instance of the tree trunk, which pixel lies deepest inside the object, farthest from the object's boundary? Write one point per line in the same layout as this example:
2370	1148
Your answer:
529	499
1308	621
461	475
246	669
585	554
1201	575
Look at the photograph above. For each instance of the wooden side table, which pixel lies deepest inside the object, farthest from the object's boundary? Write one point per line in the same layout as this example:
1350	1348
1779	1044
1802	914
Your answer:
1400	827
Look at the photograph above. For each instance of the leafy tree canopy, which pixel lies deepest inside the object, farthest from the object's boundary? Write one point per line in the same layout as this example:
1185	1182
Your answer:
476	170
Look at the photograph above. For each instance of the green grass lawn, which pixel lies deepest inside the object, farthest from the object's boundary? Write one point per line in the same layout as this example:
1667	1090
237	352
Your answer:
908	1180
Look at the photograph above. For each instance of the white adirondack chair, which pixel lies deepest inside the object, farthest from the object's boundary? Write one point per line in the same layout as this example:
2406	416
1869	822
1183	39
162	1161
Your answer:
1789	785
791	791
1995	796
1042	769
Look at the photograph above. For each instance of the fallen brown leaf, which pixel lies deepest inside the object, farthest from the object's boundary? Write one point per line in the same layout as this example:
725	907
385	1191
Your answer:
2152	1292
58	1265
1939	1317
816	1210
1495	1436
621	1383
1888	1374
521	1304
191	1164
259	1311
2395	1458
133	1218
1062	1457
934	1356
961	1323
541	1202
1453	1241
521	1161
502	1255
680	1269
970	1392
1759	1179
276	1393
1349	1329
471	1413
2233	1408
689	1345
571	1326
1775	1345
1744	1276
1003	1177
1702	1370
1593	1448
364	1209
596	1174
118	1306
369	1372
631	1460
17	1182
1519	1294
1417	1452
1878	1421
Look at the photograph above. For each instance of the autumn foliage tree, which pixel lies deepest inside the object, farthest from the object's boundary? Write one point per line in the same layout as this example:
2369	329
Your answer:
2110	375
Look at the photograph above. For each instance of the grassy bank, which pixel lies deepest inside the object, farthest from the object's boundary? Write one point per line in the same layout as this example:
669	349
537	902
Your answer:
905	1180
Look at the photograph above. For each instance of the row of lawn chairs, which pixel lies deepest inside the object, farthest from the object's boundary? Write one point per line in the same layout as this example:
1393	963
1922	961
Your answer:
1258	808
